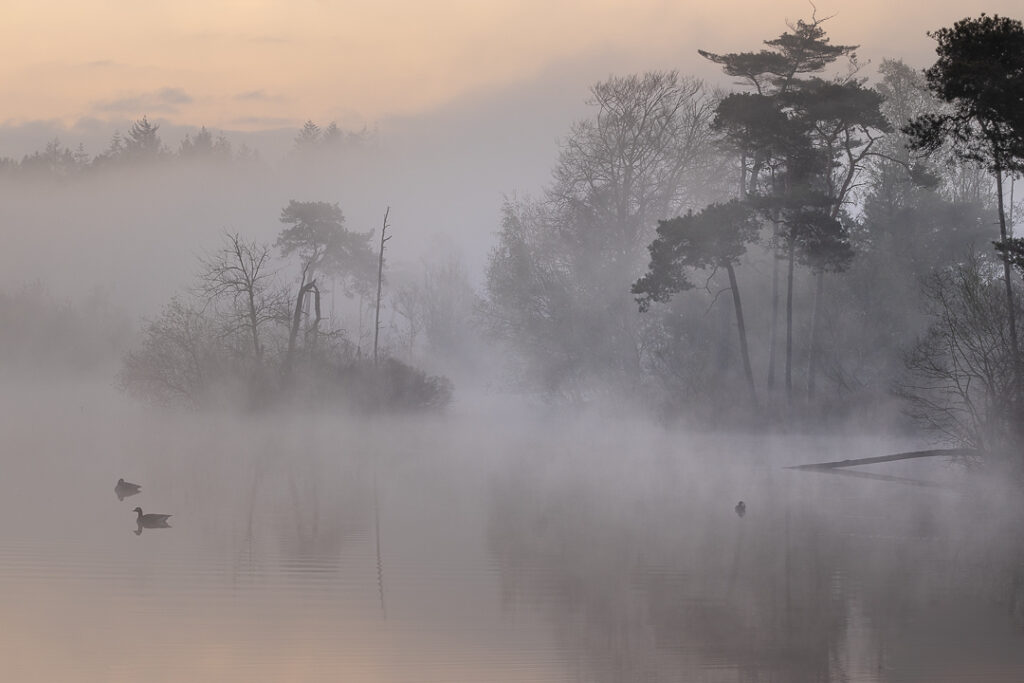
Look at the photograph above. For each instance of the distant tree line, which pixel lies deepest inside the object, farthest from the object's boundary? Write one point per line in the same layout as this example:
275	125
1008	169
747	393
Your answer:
142	145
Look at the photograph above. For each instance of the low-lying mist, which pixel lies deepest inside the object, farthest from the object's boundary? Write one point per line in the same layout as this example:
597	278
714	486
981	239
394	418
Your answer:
498	541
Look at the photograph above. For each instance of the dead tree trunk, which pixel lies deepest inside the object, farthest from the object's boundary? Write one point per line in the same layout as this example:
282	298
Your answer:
380	279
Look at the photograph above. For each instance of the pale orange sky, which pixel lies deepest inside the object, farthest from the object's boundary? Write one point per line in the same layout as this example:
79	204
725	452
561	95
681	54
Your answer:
266	63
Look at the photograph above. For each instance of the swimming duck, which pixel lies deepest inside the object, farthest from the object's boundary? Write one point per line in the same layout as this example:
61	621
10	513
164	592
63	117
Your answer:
741	508
151	521
125	489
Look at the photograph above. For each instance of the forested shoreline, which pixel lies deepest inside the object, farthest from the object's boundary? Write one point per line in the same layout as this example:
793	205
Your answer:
812	244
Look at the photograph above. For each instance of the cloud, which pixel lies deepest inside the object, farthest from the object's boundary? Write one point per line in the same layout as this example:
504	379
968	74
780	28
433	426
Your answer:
258	96
174	95
164	100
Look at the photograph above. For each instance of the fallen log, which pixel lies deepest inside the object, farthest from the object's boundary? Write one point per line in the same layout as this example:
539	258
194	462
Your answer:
835	472
935	452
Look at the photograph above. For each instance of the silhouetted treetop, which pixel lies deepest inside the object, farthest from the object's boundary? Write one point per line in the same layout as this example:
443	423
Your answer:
807	47
980	61
204	146
143	143
803	49
308	137
980	73
319	237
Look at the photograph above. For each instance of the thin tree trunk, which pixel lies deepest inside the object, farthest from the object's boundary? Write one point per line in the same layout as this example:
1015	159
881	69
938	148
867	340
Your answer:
741	328
380	279
789	321
812	361
1012	315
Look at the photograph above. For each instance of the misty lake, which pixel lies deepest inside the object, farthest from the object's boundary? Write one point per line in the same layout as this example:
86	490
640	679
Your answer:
514	547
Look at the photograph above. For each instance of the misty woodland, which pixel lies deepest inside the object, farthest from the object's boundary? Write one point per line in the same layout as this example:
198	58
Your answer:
824	240
562	370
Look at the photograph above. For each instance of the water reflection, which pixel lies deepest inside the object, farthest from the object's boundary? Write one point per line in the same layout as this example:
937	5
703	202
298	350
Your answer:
559	555
644	573
140	526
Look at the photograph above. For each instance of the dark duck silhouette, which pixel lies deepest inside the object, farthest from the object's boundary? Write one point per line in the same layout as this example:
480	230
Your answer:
151	521
741	508
125	489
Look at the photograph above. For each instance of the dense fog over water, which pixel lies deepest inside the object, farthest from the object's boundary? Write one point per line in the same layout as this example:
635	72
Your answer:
524	548
656	377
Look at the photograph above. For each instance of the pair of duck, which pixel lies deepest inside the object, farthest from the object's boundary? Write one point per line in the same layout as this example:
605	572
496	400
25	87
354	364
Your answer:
144	521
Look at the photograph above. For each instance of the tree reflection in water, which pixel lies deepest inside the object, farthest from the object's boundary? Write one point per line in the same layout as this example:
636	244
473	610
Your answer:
651	574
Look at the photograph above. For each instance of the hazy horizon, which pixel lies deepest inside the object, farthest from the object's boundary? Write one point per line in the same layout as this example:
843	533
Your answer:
495	133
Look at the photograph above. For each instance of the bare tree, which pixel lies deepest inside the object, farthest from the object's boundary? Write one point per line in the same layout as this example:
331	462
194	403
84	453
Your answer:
961	371
239	272
644	156
384	237
558	281
175	362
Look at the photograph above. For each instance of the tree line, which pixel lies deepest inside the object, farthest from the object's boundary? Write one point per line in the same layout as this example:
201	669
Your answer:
142	145
809	245
793	229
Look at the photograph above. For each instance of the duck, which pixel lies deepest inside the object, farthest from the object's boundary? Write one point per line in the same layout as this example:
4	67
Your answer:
125	489
151	521
741	508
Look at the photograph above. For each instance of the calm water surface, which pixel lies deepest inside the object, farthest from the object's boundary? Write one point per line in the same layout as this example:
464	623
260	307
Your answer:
311	548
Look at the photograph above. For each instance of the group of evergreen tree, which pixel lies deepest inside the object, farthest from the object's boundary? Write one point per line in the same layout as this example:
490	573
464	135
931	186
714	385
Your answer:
142	145
312	140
